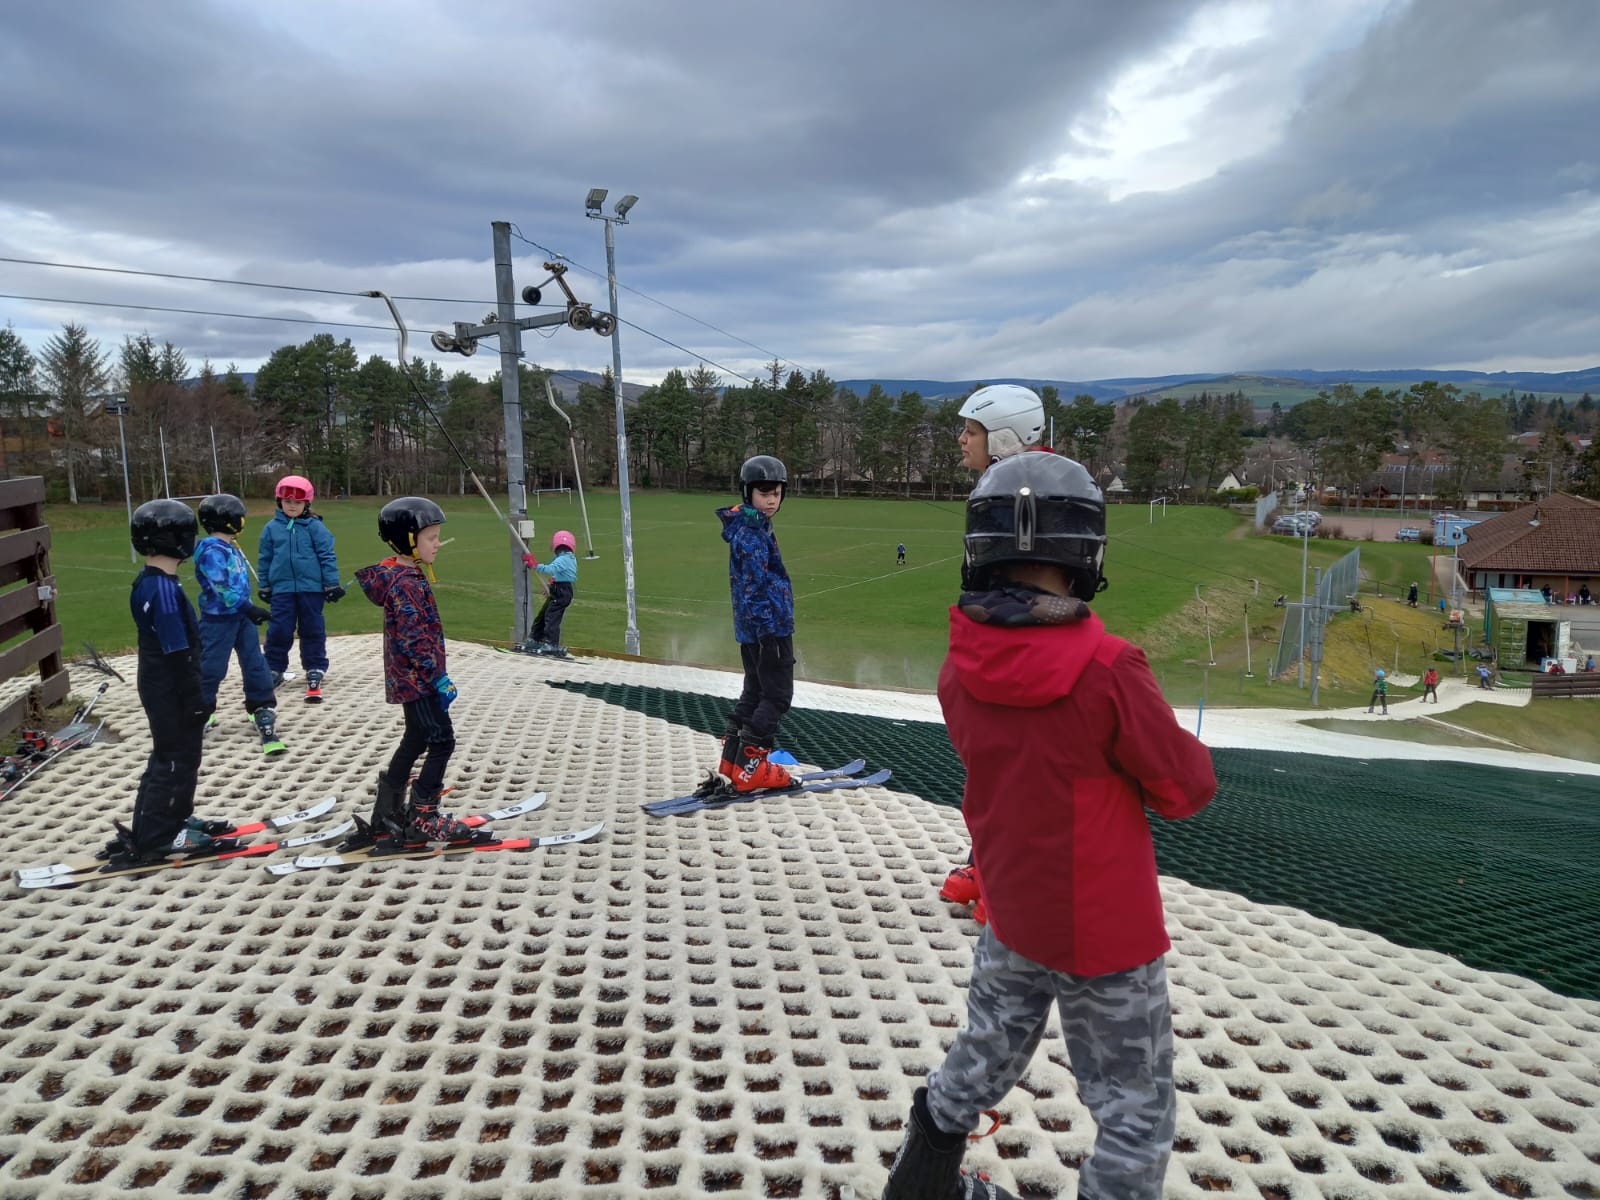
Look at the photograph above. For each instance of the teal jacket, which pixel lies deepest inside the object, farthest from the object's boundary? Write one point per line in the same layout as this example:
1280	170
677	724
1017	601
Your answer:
297	555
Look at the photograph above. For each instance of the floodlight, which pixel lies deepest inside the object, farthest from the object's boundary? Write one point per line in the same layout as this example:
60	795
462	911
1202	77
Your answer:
596	197
625	204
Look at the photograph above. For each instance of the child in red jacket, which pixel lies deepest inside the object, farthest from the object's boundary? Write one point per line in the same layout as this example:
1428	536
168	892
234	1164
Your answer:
415	677
1066	740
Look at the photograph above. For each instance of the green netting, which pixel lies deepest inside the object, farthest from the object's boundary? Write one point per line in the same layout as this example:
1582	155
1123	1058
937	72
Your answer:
1497	867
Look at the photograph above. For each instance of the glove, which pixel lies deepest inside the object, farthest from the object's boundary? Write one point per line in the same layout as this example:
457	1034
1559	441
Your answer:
334	594
529	561
265	594
447	692
256	613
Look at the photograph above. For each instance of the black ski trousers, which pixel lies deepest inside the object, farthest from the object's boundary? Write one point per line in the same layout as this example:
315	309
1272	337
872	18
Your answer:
547	625
768	685
166	790
428	727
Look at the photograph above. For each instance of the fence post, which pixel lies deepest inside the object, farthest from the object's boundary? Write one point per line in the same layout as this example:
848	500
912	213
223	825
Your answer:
31	608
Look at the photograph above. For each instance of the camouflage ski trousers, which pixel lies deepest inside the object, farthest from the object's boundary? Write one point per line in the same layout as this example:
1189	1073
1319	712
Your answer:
1118	1033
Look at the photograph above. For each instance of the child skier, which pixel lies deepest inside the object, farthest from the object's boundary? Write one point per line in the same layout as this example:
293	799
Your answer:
1380	691
545	636
997	421
415	677
228	620
763	625
1065	738
298	574
169	690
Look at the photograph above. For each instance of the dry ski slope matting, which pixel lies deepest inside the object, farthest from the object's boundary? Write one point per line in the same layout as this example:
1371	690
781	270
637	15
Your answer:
737	1002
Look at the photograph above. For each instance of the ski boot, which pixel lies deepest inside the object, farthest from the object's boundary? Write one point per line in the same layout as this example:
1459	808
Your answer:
388	822
752	771
425	823
929	1163
210	726
961	885
266	720
730	751
314	687
277	680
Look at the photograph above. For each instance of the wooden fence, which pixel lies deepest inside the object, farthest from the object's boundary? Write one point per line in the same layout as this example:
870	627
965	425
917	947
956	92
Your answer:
28	609
1581	683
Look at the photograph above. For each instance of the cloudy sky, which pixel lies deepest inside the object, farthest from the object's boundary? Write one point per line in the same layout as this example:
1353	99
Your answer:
931	189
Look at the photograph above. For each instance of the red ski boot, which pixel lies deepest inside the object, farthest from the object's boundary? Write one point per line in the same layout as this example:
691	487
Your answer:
753	772
730	752
961	885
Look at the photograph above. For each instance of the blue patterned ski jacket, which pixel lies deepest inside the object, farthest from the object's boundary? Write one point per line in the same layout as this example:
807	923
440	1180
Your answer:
223	573
763	600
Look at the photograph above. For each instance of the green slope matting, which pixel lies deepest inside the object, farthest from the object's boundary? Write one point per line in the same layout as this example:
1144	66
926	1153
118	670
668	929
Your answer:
1497	867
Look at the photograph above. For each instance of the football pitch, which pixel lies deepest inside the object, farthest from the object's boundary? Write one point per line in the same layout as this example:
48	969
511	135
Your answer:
860	618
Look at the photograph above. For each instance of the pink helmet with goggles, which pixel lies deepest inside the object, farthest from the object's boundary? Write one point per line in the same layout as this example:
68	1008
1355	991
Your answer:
295	487
563	538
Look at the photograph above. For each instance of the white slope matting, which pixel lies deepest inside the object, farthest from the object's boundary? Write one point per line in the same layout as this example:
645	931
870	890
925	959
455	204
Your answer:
737	1002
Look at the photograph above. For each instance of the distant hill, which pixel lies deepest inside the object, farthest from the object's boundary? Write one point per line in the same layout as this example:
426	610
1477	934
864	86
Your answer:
1284	386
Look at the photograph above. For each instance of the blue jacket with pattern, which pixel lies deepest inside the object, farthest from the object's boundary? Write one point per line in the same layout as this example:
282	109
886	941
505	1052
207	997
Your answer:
223	573
763	600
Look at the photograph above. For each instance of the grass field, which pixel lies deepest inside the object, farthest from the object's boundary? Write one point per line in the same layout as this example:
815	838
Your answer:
861	619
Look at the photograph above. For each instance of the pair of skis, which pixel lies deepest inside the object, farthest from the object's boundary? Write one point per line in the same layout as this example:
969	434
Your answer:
382	850
73	871
44	749
718	793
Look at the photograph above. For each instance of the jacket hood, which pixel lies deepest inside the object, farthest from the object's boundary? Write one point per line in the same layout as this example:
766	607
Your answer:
379	579
1025	666
737	516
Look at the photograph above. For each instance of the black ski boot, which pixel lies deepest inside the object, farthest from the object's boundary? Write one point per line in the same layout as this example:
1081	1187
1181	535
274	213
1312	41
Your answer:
388	819
928	1166
425	823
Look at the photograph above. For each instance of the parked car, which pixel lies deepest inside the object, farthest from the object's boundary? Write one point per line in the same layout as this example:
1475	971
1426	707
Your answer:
1408	533
1298	526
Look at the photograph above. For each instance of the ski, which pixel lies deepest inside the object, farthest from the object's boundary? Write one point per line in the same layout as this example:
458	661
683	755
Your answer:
432	850
711	789
20	768
214	828
526	805
689	804
223	850
571	658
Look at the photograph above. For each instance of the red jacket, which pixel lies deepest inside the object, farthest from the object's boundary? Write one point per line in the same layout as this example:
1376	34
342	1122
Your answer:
1066	737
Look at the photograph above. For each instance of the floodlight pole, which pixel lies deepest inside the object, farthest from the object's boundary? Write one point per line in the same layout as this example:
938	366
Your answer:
119	405
619	217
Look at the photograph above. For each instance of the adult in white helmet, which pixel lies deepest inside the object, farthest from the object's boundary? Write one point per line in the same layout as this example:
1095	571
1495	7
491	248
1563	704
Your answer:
999	420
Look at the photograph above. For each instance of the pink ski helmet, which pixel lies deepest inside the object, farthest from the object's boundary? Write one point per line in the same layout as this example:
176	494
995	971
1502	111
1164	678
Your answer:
295	487
563	538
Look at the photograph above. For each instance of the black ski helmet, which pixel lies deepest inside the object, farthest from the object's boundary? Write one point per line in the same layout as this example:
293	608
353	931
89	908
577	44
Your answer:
1036	507
763	468
164	527
222	513
399	521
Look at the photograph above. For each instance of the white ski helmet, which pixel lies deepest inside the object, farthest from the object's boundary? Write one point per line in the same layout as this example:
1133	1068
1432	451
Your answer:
1013	415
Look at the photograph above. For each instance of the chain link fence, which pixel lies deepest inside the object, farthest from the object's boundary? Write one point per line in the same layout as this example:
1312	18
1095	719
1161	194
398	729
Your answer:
1303	626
